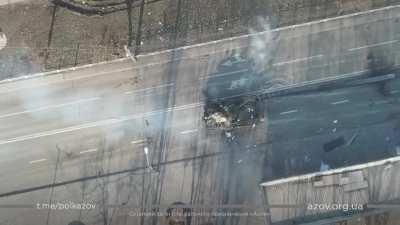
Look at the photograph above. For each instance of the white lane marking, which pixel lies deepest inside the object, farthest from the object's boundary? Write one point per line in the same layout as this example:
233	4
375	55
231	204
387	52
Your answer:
150	88
98	123
373	45
340	102
381	102
189	131
35	76
9	2
289	112
88	151
137	141
223	74
37	161
394	92
49	107
297	60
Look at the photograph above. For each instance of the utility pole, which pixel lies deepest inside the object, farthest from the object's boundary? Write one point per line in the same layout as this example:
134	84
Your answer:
50	36
129	9
177	23
139	29
53	182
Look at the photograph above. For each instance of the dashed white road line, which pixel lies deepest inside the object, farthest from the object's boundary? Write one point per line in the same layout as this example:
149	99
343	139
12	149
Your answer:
10	2
289	112
373	45
189	131
37	161
57	72
394	92
150	88
297	60
76	102
137	142
98	123
49	107
88	151
340	102
381	102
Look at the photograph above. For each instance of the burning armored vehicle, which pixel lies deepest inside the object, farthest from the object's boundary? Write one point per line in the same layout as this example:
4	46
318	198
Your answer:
232	98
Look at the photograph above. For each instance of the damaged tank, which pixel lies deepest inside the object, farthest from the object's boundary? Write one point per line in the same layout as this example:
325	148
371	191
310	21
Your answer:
231	95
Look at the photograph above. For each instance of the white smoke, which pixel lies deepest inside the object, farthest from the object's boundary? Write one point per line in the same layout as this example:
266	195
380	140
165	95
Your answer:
3	40
262	45
51	107
46	103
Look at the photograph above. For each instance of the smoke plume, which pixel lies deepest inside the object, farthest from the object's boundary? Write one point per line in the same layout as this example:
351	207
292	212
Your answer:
262	45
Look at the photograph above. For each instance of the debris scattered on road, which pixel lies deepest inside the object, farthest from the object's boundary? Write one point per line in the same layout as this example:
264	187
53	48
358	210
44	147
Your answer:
218	119
324	167
229	135
228	103
335	143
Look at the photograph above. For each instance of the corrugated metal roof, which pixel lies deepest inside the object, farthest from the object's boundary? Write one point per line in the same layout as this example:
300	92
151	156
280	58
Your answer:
375	182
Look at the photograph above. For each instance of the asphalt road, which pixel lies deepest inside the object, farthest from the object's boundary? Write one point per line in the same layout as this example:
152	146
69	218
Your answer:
300	126
99	119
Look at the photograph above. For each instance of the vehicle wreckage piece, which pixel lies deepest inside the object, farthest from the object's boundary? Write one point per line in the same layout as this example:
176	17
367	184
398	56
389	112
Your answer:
217	119
227	115
228	104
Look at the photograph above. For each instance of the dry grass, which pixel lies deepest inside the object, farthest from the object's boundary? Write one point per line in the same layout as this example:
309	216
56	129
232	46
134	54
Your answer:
78	39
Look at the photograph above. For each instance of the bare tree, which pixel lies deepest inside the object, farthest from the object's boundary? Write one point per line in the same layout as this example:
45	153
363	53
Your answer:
139	29
130	28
